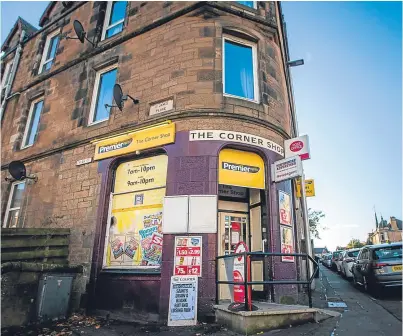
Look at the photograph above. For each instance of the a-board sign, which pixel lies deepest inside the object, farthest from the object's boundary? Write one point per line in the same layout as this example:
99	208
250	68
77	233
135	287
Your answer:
239	273
188	255
183	301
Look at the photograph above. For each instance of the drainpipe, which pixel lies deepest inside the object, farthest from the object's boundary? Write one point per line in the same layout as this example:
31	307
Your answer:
12	74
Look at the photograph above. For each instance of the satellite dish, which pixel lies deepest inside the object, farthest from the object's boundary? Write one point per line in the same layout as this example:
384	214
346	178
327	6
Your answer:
78	28
17	170
66	4
118	96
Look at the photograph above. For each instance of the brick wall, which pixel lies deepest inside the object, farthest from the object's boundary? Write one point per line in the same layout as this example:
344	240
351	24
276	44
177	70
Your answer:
180	59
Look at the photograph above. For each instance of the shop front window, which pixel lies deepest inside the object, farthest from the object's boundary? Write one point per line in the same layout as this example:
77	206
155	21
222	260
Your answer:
134	232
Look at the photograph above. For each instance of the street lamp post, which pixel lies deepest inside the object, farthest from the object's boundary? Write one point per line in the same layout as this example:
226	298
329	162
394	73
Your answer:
308	245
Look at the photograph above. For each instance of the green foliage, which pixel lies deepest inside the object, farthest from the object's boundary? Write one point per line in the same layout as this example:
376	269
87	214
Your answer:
354	243
314	217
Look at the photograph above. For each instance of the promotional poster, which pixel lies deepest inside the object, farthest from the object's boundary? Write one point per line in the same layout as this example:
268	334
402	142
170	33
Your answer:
188	255
284	202
135	230
287	245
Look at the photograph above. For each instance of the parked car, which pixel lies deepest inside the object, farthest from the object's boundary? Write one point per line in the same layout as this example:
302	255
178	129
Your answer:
378	266
335	258
338	261
327	260
347	259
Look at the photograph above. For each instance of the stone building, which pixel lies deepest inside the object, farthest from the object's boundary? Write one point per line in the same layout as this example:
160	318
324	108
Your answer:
386	232
215	106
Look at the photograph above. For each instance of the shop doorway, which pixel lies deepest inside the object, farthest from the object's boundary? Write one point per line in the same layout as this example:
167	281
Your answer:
239	220
241	212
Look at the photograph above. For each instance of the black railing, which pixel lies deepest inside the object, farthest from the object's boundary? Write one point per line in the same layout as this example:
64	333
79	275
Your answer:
248	256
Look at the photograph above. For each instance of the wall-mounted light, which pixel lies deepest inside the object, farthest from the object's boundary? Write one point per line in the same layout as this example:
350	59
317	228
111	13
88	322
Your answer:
295	63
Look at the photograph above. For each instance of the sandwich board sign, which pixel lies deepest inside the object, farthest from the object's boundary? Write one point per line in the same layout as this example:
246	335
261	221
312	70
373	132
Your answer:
183	301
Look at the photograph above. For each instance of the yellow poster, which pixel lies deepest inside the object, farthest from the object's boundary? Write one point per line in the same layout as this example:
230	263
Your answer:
131	142
134	236
137	200
141	174
309	188
243	169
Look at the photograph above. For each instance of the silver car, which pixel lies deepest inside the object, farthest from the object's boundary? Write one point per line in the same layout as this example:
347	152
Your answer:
347	259
327	260
378	266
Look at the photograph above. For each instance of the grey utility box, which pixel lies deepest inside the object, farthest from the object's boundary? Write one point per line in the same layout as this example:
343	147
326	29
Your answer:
54	296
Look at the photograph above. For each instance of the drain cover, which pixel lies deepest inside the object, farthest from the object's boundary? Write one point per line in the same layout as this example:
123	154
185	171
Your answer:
336	304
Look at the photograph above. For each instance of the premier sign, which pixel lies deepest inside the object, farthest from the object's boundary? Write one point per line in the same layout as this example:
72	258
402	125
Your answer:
286	169
240	167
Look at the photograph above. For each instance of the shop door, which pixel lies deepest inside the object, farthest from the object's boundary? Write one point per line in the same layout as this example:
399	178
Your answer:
233	228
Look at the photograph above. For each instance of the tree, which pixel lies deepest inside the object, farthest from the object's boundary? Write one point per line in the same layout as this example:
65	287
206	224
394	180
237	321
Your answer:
354	243
314	217
340	248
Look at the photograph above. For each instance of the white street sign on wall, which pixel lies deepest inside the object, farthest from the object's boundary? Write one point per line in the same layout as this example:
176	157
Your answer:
286	169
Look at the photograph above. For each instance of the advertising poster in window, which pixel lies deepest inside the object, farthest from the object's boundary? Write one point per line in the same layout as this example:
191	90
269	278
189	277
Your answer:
134	236
287	245
188	255
284	202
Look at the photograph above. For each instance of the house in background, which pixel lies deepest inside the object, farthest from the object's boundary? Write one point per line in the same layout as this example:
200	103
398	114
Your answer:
320	251
386	232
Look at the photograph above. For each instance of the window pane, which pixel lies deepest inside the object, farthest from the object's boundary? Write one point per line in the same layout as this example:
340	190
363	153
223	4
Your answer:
392	252
118	12
105	94
353	254
47	66
114	30
239	70
247	3
6	74
52	47
33	126
17	195
13	217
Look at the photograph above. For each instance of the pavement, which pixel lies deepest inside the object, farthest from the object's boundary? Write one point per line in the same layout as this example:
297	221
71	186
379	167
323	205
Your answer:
363	314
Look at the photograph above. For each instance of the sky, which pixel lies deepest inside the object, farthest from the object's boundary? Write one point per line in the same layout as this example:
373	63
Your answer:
349	101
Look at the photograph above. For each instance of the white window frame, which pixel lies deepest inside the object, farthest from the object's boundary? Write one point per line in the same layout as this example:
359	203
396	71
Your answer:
10	197
95	95
254	5
46	49
254	67
27	125
7	72
108	13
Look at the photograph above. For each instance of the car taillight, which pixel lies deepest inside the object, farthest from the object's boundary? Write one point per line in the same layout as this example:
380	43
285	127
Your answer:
379	265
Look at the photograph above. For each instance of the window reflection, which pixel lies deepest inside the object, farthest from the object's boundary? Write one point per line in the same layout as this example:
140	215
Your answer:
105	95
239	76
